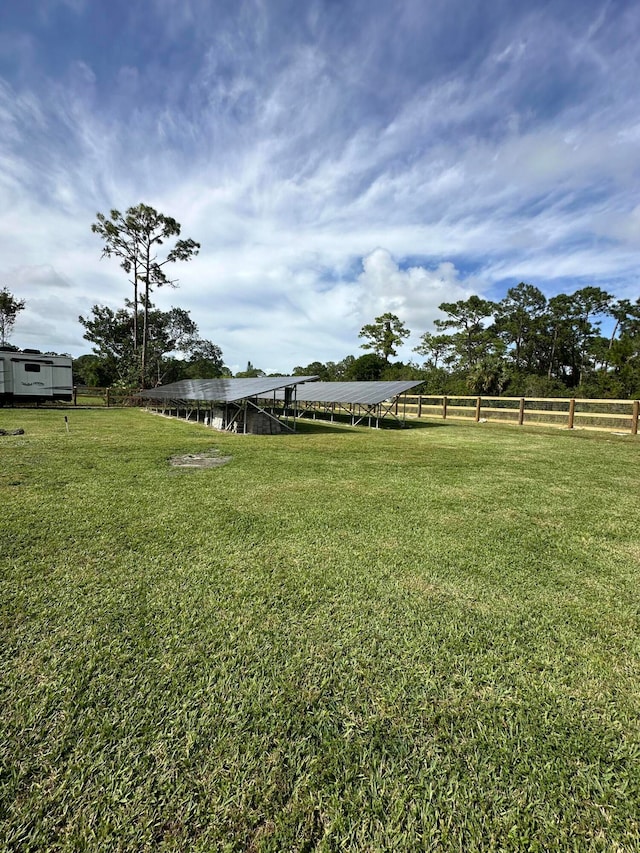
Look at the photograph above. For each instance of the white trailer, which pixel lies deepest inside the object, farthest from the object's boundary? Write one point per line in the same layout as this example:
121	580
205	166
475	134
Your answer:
32	376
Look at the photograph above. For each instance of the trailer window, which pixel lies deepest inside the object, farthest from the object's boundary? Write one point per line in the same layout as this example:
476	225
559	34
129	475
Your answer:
32	368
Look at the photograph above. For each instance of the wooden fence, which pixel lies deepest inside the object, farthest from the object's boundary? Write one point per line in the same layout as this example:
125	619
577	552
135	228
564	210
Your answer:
563	412
84	395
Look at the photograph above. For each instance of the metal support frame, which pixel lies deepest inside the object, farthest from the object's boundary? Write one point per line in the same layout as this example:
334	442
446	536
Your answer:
228	424
368	411
235	413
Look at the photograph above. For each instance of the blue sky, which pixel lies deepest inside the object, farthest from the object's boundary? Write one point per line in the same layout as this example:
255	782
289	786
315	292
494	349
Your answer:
336	159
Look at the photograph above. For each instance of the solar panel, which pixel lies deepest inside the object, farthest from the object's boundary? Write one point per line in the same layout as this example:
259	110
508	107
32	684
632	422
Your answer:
222	390
364	393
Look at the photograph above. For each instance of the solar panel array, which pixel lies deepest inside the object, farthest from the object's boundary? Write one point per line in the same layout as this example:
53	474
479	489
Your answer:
363	393
233	390
222	390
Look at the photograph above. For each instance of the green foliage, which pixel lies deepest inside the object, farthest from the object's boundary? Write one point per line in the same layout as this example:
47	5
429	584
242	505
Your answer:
340	370
398	371
383	335
533	385
438	349
472	341
366	368
316	368
173	331
205	361
94	371
10	307
422	639
519	323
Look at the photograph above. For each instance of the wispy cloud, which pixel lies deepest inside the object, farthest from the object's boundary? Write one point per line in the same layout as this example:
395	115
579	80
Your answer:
335	160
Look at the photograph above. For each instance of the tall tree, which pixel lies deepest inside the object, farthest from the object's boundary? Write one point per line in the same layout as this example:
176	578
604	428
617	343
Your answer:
472	340
623	352
622	311
135	238
10	307
519	323
560	322
573	331
383	335
590	305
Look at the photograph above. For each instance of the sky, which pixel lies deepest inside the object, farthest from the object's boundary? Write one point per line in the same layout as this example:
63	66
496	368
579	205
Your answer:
335	159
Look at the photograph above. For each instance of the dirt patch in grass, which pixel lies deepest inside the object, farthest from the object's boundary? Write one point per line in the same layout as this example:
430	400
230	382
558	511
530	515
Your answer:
212	459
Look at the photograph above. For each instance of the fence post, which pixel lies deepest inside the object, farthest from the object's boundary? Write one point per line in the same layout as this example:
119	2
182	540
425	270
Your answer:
478	404
444	407
572	412
419	405
521	412
75	396
634	417
107	395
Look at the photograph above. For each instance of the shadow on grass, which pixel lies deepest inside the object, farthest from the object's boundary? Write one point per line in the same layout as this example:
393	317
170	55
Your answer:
310	426
427	424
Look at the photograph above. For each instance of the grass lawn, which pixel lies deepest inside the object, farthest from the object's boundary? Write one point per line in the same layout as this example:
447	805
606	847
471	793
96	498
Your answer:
342	640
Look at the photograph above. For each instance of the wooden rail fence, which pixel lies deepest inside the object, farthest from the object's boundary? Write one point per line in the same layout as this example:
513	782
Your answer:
84	395
563	412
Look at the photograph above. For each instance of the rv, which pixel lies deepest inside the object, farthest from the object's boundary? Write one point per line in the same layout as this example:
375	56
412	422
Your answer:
31	376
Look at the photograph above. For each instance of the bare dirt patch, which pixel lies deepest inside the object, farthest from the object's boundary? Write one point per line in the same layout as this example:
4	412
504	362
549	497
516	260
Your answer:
210	459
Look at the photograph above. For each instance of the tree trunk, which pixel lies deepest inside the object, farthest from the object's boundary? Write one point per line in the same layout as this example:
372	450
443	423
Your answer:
553	351
145	323
135	307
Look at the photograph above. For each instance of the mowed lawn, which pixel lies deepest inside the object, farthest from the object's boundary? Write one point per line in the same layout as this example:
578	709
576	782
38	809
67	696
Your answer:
342	640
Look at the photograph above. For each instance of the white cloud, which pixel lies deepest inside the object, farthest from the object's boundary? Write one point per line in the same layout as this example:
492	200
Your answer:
309	188
412	294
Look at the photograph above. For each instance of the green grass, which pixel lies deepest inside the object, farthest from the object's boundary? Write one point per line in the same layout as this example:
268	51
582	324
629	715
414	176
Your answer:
342	640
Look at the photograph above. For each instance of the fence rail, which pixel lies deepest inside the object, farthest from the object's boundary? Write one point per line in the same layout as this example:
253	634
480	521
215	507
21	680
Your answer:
567	412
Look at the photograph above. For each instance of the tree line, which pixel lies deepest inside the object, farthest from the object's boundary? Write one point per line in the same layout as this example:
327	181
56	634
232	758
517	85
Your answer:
524	345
